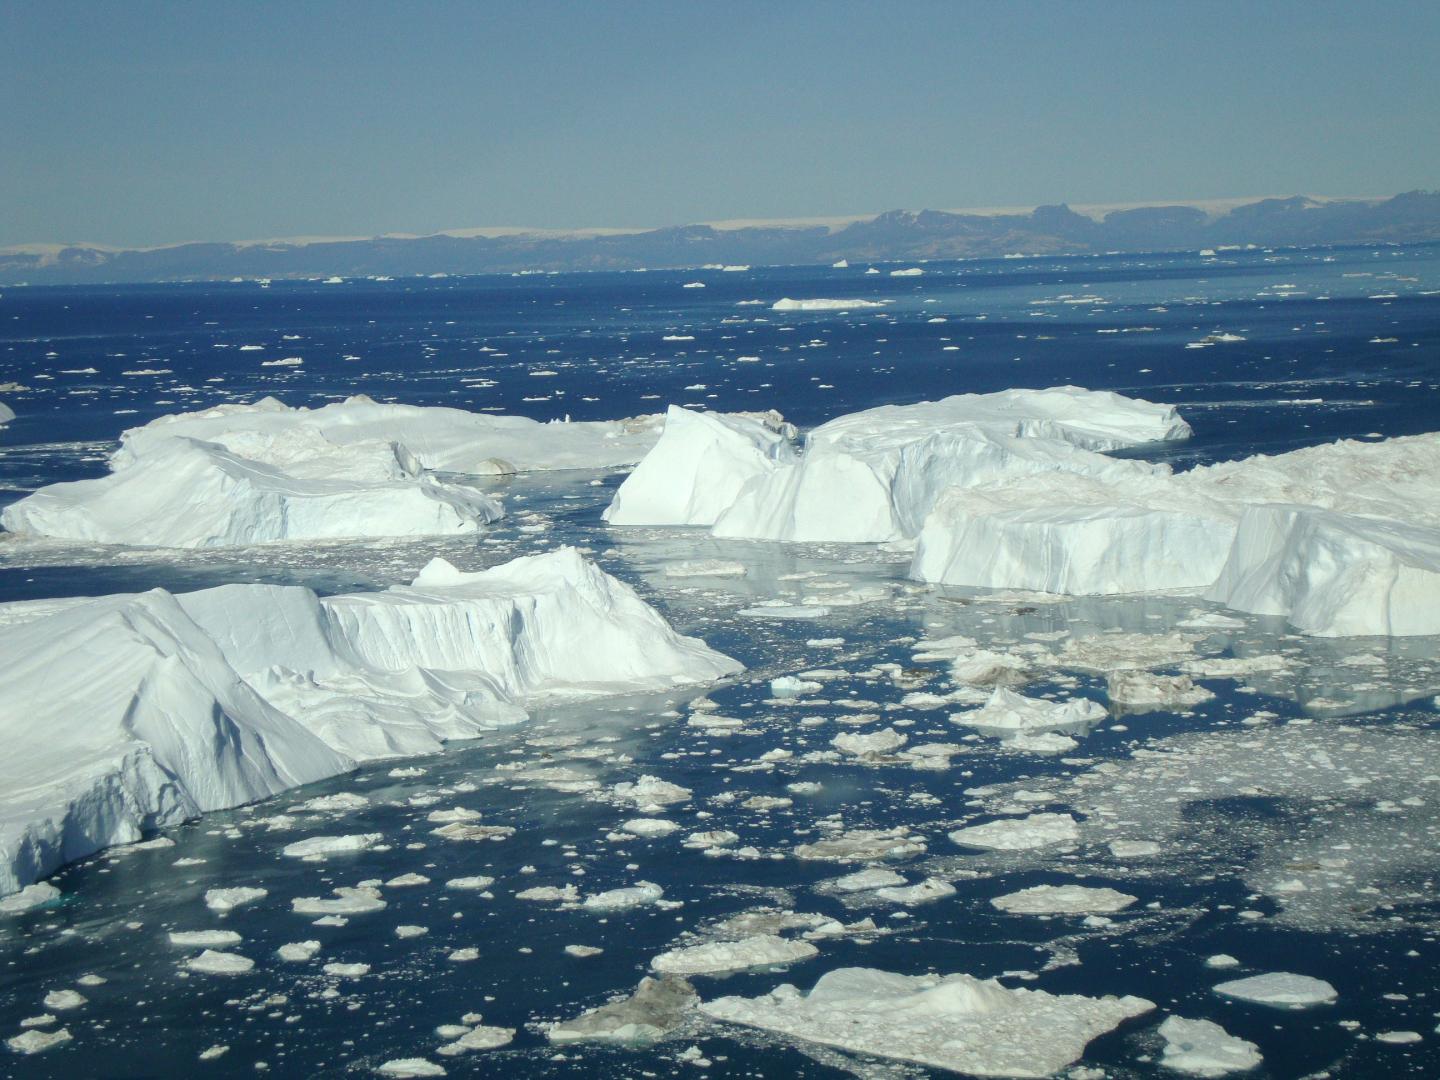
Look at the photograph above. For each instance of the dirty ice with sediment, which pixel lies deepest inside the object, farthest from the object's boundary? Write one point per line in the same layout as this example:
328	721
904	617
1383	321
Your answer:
1022	667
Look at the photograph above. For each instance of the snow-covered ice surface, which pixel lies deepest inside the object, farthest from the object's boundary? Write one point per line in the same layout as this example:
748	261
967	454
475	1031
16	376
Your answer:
1267	797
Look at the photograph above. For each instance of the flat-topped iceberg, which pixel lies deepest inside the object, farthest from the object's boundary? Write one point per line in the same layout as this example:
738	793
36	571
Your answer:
1340	539
188	494
787	304
132	712
438	439
956	1022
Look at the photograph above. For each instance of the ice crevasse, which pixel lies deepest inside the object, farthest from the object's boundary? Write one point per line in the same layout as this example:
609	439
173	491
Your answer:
131	712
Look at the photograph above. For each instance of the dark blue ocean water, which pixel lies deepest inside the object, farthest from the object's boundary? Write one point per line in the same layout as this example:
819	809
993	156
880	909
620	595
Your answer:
1316	363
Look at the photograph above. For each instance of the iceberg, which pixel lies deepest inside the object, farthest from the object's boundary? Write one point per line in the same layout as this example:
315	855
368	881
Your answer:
787	304
698	467
874	476
955	1022
189	494
435	439
134	712
6	414
1340	539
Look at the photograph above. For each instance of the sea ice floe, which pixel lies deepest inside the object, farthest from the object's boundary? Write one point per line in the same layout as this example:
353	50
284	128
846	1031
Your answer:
321	846
346	971
1204	1048
719	957
864	845
410	1067
359	900
1139	691
1280	988
36	1042
953	1022
1019	834
1063	900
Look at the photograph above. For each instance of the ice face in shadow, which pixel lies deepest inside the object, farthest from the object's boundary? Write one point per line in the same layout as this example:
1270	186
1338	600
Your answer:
955	1022
6	413
139	711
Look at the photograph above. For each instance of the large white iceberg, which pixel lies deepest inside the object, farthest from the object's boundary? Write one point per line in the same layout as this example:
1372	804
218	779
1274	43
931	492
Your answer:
955	1022
188	494
438	439
132	712
873	476
1339	539
698	467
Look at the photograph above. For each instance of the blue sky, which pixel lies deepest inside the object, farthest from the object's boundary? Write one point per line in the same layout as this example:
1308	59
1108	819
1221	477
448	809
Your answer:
139	123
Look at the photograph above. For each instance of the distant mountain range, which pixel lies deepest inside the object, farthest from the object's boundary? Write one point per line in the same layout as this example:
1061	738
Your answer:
899	235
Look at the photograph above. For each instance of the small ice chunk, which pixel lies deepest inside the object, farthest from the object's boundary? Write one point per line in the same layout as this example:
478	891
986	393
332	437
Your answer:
204	939
28	899
321	846
582	951
637	895
1134	849
410	1067
346	971
478	1038
651	791
347	901
61	1000
716	957
211	962
921	893
788	686
1221	960
406	880
649	827
409	931
567	894
474	883
863	880
223	900
871	744
1008	711
297	951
